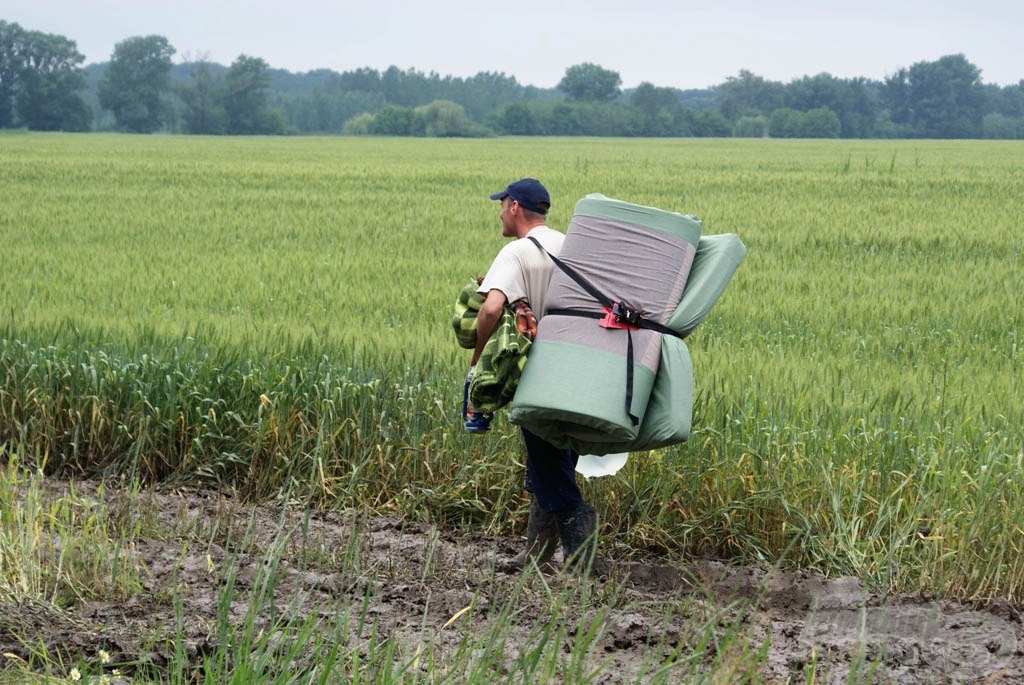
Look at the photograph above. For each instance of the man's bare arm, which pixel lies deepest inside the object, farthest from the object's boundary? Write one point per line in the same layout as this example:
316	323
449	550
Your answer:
487	321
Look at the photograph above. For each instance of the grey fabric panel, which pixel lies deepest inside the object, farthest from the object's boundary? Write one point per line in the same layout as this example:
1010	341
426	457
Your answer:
587	333
644	268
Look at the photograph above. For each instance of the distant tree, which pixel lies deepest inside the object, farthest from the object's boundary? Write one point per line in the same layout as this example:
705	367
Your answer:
650	99
683	121
941	99
40	81
245	98
321	101
408	88
657	108
820	122
662	124
590	82
11	65
484	93
750	127
998	126
885	127
397	121
563	120
947	97
517	120
328	109
895	98
364	79
204	111
605	119
697	98
136	83
708	123
748	93
1008	101
848	99
48	99
358	125
784	122
444	119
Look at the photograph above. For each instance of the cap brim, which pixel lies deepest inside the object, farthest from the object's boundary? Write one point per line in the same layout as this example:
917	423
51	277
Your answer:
501	195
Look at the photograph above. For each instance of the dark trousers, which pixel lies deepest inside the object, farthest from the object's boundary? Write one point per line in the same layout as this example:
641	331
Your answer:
551	475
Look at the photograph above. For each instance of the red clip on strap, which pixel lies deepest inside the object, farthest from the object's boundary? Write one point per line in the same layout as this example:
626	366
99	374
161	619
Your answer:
617	316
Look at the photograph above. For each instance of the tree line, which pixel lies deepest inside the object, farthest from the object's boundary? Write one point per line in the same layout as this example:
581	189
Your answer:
44	87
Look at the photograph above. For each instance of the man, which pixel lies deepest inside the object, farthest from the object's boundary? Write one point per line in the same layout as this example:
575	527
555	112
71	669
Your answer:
519	275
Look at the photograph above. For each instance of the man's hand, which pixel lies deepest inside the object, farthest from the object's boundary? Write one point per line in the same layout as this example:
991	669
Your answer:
526	321
465	392
474	421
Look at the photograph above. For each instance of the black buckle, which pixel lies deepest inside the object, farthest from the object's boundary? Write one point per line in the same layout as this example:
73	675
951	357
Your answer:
623	314
620	316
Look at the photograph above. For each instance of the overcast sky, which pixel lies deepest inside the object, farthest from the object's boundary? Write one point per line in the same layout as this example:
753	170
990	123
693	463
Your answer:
679	43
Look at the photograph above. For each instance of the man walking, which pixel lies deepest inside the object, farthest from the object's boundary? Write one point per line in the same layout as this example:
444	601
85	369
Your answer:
518	277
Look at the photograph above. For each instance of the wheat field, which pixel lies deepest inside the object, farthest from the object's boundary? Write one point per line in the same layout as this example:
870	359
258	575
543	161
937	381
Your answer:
273	314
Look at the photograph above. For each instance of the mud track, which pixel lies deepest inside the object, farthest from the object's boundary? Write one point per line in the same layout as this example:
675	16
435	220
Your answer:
412	579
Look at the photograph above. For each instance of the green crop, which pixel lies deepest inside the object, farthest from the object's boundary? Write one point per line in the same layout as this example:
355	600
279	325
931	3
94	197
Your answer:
274	314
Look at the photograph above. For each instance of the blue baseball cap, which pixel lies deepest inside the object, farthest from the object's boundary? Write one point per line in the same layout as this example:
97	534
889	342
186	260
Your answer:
529	193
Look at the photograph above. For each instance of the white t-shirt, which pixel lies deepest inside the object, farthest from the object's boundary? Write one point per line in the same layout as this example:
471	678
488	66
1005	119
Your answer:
521	269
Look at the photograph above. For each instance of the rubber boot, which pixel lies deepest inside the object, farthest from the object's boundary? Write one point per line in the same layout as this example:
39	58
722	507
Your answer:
578	531
541	541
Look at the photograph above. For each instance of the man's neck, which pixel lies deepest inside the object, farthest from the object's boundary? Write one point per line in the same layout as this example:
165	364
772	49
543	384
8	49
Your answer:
525	230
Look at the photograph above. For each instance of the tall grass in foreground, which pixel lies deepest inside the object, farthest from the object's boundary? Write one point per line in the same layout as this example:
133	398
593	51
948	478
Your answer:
355	437
272	316
896	511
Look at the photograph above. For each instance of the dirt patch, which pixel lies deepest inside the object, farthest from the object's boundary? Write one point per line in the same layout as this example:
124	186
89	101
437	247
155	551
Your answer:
412	579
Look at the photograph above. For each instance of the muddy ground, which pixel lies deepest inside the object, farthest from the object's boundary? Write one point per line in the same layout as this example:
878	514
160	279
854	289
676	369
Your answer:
414	581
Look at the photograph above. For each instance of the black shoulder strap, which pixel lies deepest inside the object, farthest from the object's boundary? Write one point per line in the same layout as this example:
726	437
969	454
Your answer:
617	310
576	276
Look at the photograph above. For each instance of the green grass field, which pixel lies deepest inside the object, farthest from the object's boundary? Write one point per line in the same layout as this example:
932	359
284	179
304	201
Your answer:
272	314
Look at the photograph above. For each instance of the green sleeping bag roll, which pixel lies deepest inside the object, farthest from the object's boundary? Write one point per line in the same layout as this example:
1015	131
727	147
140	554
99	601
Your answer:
667	420
717	259
588	393
685	226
